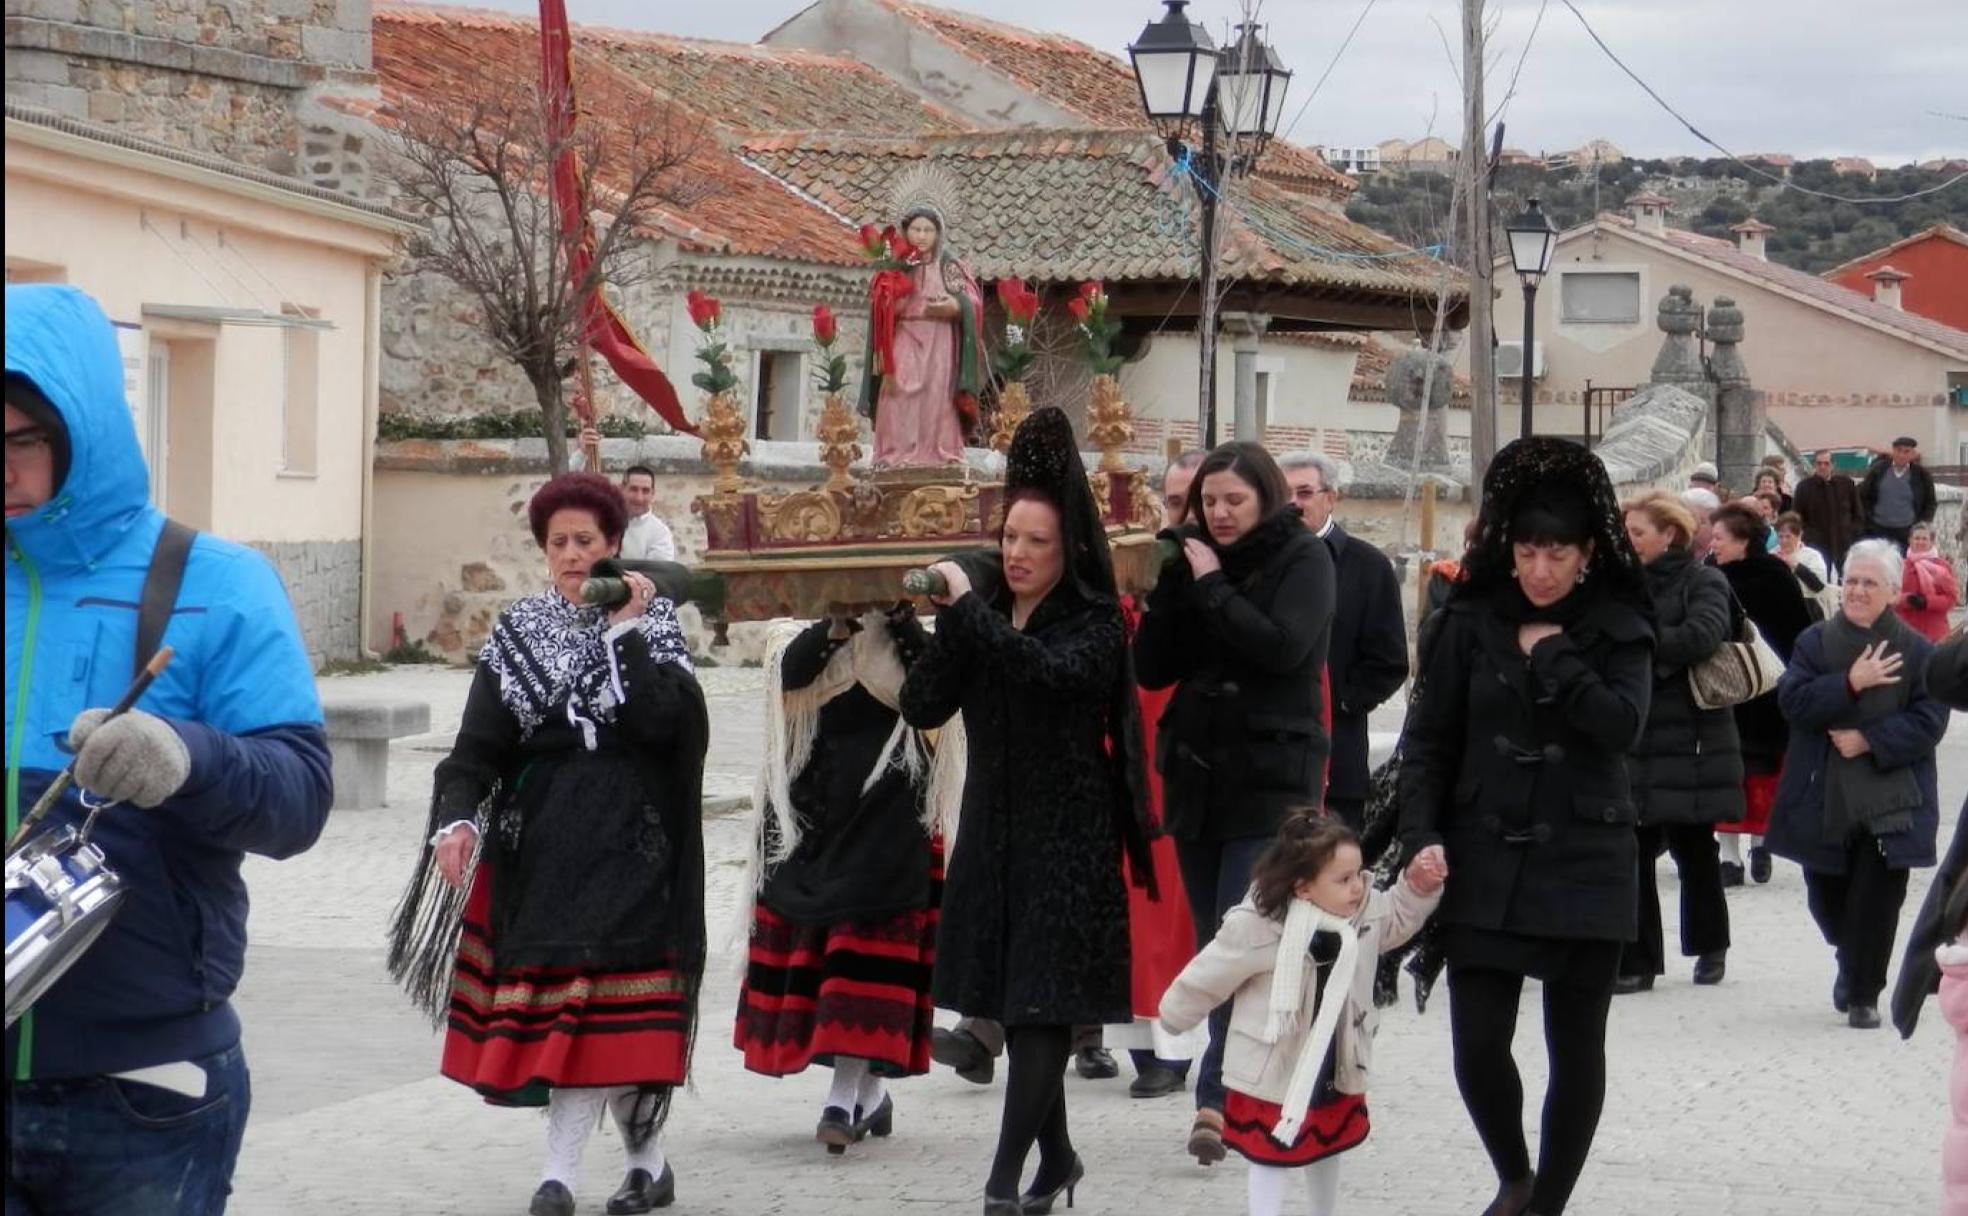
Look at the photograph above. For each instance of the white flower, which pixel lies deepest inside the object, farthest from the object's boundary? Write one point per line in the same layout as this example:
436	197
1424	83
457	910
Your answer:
1015	334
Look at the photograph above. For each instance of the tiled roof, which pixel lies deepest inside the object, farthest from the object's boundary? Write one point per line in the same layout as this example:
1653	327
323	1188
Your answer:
1063	205
1093	84
1941	231
1812	289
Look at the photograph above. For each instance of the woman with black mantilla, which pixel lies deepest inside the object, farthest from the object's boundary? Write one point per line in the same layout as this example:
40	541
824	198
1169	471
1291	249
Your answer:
576	780
1034	929
1531	695
1240	624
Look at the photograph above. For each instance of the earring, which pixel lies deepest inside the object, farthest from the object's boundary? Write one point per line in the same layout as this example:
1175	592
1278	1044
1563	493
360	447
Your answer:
1513	572
1581	577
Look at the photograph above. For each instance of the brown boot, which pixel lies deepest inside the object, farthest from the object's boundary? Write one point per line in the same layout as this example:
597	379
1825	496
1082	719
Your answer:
1206	1136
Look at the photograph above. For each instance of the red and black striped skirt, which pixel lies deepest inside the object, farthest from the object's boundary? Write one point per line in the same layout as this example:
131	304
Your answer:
513	1035
860	989
1329	1128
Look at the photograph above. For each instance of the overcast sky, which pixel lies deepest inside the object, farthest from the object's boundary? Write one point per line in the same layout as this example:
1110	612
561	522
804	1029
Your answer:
1809	77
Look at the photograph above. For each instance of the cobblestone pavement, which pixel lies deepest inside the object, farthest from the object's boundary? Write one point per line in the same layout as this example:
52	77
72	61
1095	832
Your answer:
1748	1098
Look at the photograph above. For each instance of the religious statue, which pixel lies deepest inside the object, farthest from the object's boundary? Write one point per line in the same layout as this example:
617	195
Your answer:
925	361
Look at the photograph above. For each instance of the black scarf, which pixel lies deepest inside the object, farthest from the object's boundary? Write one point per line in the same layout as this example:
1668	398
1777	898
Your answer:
1247	555
1859	794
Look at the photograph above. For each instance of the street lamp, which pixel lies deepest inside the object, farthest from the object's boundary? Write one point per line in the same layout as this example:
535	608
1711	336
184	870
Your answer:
1533	241
1237	95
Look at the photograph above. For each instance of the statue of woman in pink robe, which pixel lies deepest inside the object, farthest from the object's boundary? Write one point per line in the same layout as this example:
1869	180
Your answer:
925	352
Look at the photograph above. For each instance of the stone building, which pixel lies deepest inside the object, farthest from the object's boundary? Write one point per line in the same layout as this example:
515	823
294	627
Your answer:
155	157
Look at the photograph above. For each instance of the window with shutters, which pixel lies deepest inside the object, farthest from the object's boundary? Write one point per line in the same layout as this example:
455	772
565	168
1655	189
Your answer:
1599	298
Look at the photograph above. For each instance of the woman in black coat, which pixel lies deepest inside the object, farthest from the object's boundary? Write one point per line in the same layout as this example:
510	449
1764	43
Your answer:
1532	693
1034	931
1240	625
1771	597
1687	767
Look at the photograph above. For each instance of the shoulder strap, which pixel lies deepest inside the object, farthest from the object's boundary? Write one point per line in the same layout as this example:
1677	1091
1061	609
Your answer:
160	589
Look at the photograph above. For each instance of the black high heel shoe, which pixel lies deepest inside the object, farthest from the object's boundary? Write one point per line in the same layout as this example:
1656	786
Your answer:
878	1124
836	1130
1002	1207
1034	1203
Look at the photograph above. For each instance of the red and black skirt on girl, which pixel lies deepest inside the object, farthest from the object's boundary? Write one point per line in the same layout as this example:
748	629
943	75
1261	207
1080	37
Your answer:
1334	1123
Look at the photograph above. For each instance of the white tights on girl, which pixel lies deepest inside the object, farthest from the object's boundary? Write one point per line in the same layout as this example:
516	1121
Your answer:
1269	1184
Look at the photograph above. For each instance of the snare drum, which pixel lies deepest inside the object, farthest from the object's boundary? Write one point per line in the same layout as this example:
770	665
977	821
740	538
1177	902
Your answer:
61	895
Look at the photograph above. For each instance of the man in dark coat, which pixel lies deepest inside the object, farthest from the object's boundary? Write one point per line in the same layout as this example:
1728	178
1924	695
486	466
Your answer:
1897	493
1367	661
1828	502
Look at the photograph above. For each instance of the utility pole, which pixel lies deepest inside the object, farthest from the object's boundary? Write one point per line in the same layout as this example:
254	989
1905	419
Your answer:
1207	174
1476	248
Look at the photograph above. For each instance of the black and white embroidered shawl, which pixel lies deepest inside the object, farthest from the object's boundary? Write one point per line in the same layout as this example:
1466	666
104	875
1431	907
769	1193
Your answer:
546	651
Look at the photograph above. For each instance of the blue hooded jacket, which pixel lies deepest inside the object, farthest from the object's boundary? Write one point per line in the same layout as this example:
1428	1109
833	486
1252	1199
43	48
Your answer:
154	989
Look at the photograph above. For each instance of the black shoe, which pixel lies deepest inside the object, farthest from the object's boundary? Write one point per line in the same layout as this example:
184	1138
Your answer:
552	1199
836	1130
879	1124
1039	1203
1709	967
1732	874
1155	1081
1759	864
1512	1198
1863	1017
1096	1063
1627	985
959	1049
1002	1207
641	1193
1841	994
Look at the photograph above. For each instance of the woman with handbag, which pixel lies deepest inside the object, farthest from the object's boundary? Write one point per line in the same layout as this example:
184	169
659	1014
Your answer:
1687	767
1774	601
1858	807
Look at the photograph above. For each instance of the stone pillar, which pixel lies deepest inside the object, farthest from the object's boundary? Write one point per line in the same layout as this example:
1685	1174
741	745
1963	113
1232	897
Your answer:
1246	330
1739	411
1679	362
1404	380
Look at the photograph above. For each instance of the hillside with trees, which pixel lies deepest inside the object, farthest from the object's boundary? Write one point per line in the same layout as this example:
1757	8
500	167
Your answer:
1813	234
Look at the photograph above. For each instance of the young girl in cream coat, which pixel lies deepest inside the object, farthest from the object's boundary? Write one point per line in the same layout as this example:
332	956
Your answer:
1297	957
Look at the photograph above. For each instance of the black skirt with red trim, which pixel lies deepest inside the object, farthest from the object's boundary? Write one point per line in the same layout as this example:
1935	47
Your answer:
1330	1127
514	1034
854	988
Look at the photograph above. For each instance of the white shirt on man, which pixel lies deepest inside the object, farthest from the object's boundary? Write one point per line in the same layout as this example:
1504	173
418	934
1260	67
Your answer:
648	539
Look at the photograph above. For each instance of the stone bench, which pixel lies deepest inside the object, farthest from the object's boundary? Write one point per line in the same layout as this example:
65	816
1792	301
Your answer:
359	734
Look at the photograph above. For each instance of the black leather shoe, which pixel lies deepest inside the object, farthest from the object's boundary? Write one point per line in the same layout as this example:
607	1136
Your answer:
1002	1207
1841	995
1759	864
641	1193
836	1130
880	1123
552	1199
1155	1081
959	1049
1627	985
1732	874
1710	967
1863	1017
1039	1203
1096	1063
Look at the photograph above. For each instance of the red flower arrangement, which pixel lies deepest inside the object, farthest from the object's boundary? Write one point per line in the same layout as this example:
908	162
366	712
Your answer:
830	375
706	313
1089	309
704	310
1021	309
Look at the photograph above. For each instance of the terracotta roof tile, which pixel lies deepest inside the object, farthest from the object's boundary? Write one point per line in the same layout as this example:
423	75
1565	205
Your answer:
1817	291
1942	231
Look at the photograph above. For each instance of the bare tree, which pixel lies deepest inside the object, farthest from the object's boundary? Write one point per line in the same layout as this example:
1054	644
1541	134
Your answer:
475	164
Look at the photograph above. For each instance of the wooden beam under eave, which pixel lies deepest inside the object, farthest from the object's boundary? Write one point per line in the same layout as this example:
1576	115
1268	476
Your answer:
1172	306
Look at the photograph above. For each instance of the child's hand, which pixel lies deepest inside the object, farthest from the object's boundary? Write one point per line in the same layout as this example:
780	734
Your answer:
1428	870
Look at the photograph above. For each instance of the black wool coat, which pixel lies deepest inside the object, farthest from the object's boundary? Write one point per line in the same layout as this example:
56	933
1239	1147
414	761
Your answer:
1687	766
1517	766
1034	925
1368	659
1769	593
1243	740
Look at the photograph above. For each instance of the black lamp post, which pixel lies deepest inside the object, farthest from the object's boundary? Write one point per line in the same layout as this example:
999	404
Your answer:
1533	241
1236	95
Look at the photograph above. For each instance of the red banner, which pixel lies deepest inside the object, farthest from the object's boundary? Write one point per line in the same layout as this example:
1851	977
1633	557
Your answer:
602	327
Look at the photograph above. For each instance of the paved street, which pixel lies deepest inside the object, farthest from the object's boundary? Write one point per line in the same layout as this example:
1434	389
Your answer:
1749	1098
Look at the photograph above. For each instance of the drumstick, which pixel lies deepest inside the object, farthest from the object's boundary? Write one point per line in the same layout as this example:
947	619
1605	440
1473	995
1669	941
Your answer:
63	779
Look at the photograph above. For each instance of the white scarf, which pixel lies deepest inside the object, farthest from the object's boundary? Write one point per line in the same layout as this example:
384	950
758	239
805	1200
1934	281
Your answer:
1302	919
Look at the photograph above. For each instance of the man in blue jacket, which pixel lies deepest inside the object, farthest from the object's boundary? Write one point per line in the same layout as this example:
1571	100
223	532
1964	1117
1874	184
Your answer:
127	1091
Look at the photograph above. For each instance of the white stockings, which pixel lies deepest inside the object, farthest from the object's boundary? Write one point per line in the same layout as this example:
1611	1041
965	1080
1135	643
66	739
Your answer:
572	1115
846	1089
1270	1183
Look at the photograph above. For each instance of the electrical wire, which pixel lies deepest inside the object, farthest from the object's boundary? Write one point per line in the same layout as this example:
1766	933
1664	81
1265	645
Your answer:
1783	183
1320	83
1511	91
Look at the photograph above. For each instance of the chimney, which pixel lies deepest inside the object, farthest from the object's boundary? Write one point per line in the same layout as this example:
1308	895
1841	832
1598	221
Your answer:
1886	285
1649	212
1749	237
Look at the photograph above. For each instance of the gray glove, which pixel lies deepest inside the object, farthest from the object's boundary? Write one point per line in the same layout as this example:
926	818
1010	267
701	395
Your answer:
137	758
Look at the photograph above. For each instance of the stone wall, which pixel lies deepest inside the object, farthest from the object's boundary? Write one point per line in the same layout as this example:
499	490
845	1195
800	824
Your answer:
324	581
225	77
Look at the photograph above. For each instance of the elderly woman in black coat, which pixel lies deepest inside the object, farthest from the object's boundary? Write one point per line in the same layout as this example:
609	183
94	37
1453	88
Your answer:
1240	623
1857	807
1772	598
1687	766
1532	693
1034	931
